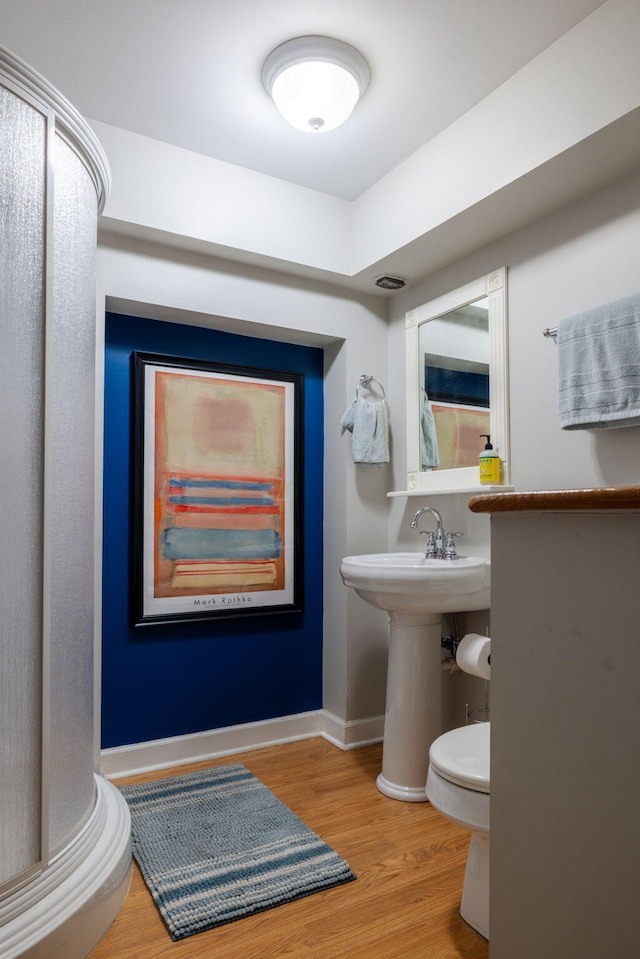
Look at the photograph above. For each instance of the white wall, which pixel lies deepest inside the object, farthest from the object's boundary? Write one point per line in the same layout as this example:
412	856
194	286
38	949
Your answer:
582	256
204	202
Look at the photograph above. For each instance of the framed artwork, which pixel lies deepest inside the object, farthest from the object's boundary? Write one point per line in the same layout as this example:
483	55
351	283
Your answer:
217	474
459	429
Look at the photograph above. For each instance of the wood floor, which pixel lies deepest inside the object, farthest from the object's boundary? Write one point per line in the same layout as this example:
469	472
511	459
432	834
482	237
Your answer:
408	859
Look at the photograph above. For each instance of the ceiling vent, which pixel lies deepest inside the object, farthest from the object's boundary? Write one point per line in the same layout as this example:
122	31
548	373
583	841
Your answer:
390	282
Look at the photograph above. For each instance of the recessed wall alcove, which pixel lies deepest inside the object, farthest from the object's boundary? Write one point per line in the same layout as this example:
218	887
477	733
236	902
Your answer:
173	679
202	294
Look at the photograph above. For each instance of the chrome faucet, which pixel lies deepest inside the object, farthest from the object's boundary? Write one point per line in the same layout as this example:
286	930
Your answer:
439	544
435	544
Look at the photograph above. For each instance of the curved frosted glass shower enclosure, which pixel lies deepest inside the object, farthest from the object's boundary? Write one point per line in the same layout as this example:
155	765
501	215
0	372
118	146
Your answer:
63	830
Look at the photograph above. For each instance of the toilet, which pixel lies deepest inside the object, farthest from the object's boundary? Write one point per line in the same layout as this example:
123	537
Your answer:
458	787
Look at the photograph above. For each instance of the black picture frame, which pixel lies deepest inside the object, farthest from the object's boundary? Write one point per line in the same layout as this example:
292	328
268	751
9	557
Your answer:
217	490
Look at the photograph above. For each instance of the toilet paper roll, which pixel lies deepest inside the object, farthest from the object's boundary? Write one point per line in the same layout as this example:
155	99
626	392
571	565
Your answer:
472	655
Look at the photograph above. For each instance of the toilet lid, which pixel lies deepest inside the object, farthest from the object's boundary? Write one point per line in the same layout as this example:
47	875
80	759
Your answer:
462	756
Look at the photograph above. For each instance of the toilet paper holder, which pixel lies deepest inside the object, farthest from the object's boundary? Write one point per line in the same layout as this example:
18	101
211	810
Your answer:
477	714
451	643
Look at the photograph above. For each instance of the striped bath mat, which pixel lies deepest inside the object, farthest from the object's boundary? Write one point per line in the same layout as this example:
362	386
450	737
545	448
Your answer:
217	845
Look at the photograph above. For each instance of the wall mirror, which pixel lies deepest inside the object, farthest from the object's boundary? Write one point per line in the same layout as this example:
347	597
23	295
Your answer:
457	386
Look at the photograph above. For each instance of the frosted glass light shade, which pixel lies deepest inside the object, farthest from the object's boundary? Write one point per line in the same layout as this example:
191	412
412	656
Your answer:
315	82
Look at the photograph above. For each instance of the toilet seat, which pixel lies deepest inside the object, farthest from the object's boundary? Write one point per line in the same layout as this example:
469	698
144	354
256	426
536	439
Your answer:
461	756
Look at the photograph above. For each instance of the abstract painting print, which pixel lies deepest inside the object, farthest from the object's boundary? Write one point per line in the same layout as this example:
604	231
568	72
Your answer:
459	429
216	466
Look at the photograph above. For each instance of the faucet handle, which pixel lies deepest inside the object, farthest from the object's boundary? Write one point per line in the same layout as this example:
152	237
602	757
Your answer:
431	543
449	548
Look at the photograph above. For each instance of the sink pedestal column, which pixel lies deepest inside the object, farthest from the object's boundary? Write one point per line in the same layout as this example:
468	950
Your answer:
413	707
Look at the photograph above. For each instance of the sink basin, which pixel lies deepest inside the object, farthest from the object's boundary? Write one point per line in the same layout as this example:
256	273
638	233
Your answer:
409	582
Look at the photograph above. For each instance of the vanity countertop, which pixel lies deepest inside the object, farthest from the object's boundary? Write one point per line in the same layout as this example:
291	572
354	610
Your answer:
565	500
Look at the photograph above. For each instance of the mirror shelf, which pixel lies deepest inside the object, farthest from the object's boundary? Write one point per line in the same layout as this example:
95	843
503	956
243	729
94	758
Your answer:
449	491
457	370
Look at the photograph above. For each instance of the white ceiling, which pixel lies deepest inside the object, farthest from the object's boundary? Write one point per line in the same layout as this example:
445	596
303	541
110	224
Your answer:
187	72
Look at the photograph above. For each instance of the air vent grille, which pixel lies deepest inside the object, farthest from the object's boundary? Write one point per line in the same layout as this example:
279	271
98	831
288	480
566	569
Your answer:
390	282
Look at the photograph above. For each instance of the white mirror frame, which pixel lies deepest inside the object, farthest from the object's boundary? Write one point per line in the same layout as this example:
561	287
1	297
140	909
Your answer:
494	287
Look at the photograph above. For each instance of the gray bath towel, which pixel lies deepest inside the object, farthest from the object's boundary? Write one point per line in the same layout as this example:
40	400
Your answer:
369	423
599	367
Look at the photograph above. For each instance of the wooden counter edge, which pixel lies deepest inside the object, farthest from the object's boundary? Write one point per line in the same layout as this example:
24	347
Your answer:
599	499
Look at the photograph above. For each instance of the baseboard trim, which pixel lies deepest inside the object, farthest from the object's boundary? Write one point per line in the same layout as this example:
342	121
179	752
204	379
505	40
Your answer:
353	734
158	754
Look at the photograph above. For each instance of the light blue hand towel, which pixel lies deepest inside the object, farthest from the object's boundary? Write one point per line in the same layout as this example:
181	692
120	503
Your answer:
599	367
429	455
369	423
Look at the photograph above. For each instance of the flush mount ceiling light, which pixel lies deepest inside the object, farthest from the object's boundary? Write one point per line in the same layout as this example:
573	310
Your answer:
315	82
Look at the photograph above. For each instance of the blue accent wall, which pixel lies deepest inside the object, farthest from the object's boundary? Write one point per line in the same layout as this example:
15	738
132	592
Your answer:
174	679
456	386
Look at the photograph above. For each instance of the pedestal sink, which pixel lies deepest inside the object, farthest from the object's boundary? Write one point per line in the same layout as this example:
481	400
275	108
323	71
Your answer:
415	592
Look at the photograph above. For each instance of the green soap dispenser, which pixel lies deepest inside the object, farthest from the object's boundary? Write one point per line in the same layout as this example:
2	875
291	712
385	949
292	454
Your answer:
489	463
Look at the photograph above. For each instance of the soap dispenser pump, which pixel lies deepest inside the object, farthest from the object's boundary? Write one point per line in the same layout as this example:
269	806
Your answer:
489	463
